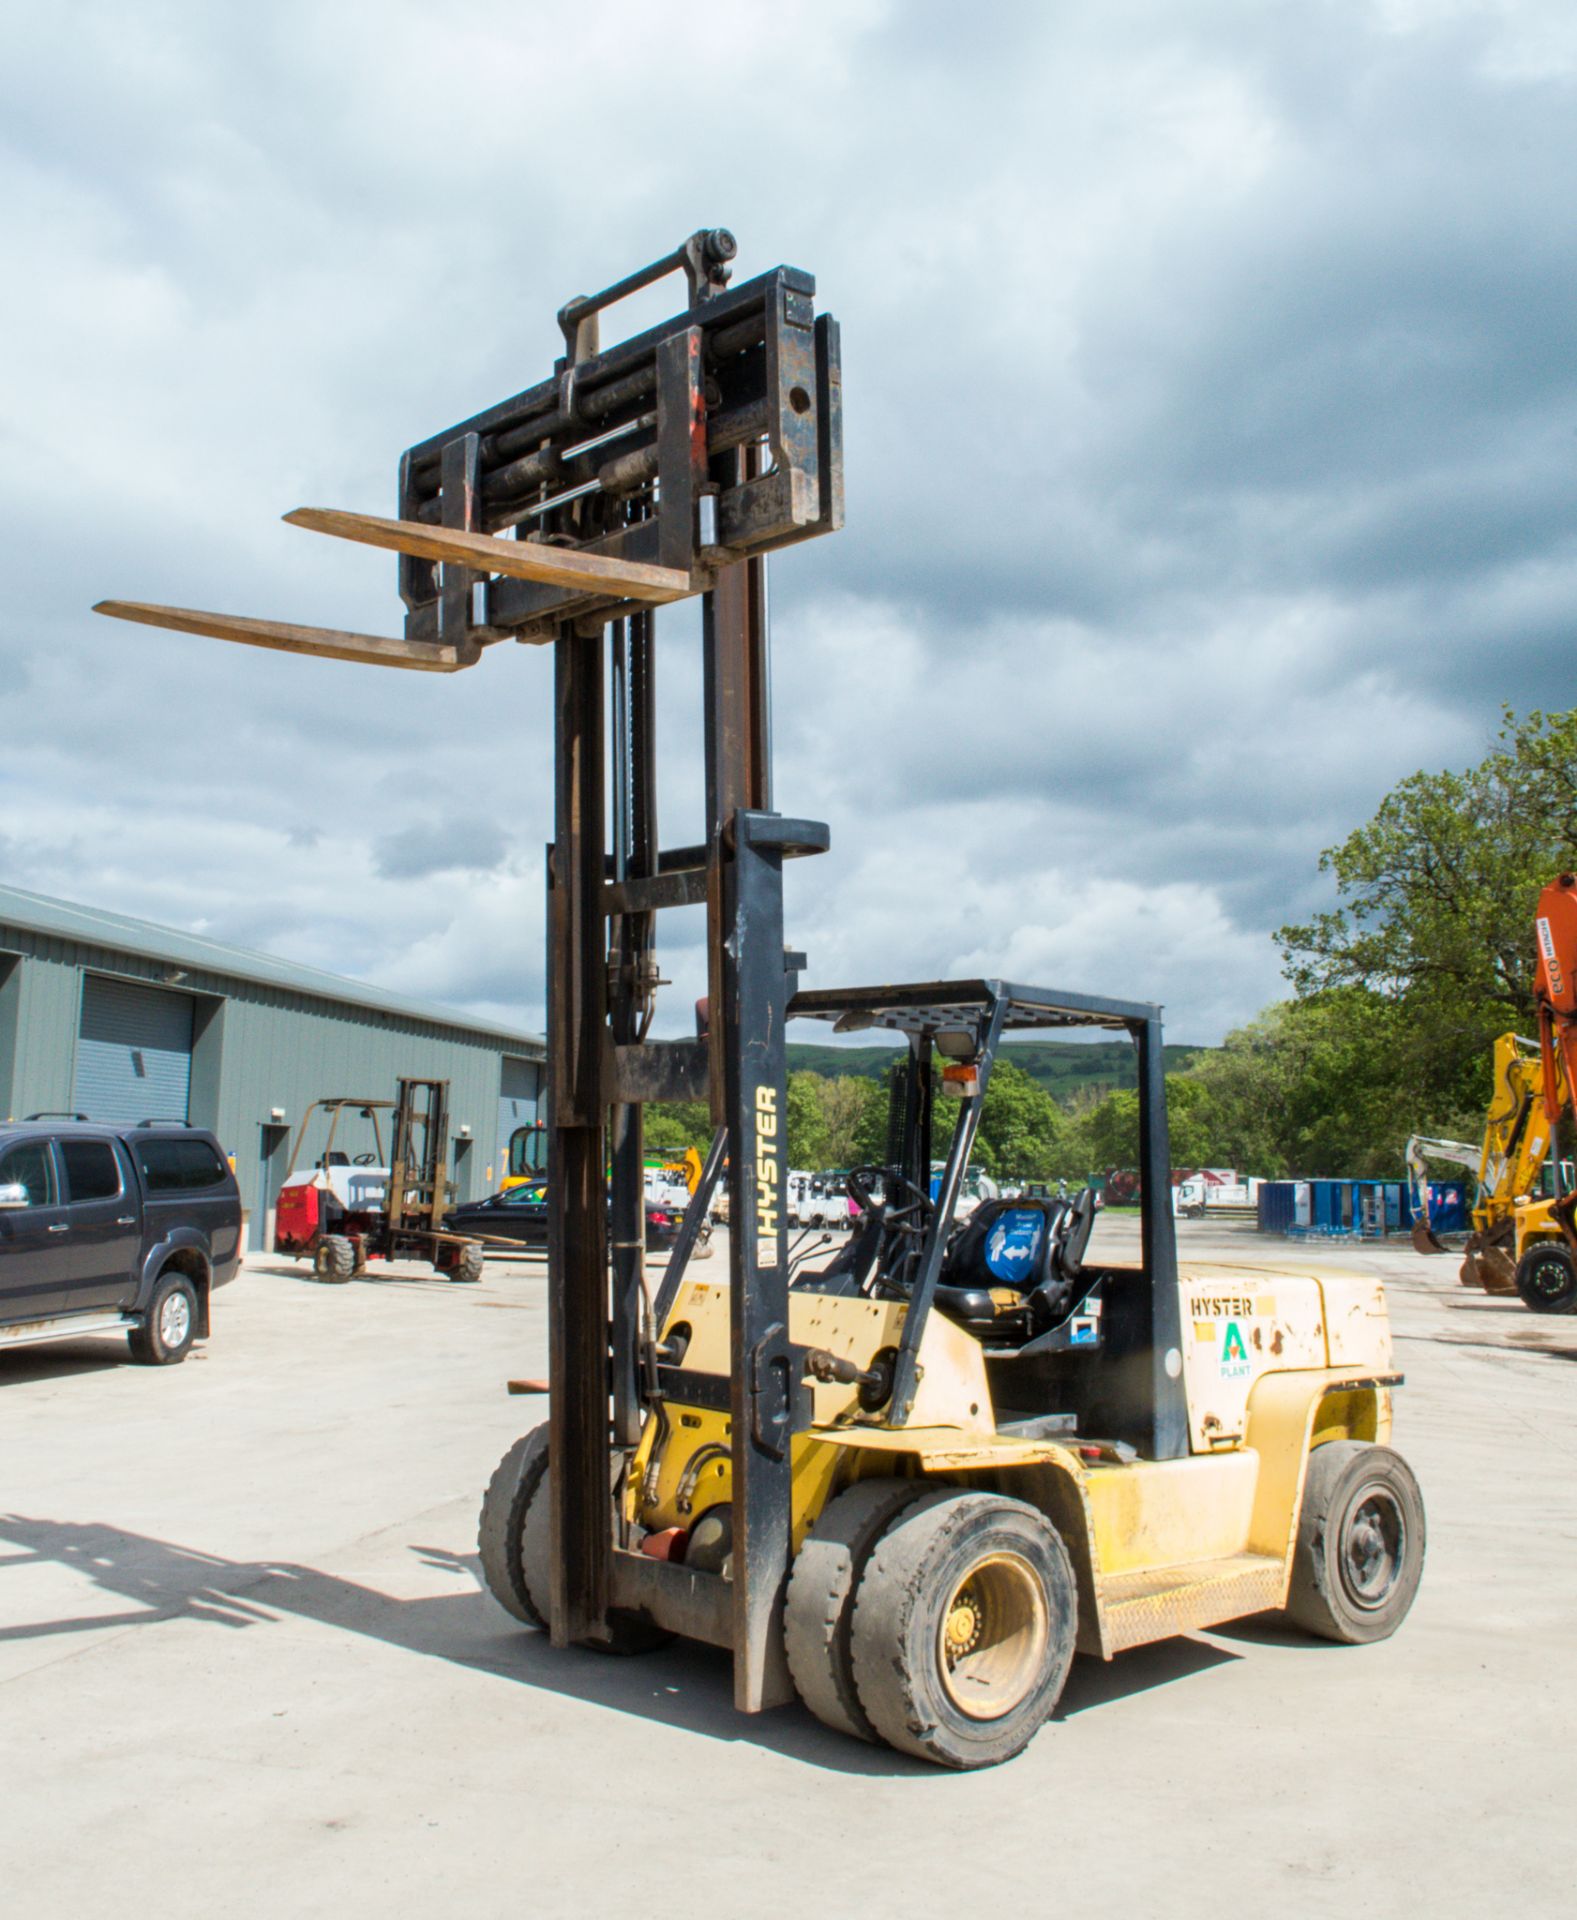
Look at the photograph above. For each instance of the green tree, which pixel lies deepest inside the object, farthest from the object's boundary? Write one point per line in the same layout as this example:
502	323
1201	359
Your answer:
1437	894
672	1127
867	1137
807	1124
857	1121
1020	1125
1331	1083
1108	1133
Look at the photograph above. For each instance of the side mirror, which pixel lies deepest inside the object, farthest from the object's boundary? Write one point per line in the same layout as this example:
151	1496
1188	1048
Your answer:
14	1194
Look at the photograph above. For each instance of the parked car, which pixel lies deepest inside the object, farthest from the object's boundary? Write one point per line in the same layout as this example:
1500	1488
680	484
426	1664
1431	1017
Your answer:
105	1228
521	1213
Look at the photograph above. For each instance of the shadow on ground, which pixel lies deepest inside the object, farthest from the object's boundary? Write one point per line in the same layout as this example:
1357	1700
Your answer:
62	1359
379	1274
685	1685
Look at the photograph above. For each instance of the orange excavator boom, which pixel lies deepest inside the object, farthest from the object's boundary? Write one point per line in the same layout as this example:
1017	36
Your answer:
1555	989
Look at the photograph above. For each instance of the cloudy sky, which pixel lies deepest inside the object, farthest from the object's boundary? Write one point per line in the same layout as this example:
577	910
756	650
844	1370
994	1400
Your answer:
1211	414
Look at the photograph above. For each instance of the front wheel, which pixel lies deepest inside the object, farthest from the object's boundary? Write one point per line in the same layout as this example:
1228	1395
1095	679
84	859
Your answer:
1547	1279
963	1628
515	1567
335	1259
818	1610
166	1335
1361	1538
515	1547
468	1264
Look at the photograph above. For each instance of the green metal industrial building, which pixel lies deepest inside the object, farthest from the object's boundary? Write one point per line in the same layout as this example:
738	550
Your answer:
122	1020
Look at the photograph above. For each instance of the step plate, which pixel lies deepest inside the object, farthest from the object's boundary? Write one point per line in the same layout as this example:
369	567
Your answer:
24	1333
1140	1607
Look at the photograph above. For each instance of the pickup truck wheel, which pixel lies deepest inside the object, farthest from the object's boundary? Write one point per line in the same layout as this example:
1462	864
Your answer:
166	1335
335	1259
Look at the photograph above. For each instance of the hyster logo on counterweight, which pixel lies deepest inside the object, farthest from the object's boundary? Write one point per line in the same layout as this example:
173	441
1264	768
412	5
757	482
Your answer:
767	1176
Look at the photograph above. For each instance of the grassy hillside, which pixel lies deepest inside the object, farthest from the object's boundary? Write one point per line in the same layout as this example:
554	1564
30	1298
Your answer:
1063	1067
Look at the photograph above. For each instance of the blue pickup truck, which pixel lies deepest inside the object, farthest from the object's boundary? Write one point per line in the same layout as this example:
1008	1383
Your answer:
114	1228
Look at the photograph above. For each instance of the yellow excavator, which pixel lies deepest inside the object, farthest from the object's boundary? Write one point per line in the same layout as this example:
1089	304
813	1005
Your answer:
528	1160
1514	1222
1511	1217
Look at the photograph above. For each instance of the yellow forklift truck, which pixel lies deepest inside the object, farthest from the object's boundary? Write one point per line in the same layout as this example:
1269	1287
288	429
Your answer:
999	1450
910	1482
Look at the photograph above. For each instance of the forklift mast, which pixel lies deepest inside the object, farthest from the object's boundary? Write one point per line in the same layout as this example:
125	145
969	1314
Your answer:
747	414
667	465
419	1190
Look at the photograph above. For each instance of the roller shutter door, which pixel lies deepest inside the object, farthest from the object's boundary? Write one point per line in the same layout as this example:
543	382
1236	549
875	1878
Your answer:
517	1106
134	1053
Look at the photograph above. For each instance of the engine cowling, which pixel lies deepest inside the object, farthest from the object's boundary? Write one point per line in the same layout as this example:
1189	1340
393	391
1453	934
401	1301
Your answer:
297	1217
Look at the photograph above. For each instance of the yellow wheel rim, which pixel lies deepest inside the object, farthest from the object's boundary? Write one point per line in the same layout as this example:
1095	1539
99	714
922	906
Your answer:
991	1643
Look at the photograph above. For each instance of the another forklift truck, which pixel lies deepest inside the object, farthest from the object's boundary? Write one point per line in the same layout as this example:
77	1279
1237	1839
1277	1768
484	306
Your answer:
910	1483
343	1211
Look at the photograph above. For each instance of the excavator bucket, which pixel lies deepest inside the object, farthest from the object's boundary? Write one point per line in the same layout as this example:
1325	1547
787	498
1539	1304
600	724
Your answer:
1424	1237
1487	1260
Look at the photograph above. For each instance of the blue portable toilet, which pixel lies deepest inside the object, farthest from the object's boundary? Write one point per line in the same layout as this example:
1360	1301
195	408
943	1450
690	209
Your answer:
1276	1205
1449	1211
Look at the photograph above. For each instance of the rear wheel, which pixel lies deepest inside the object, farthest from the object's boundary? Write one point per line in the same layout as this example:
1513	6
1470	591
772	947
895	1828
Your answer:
166	1335
1361	1538
1547	1279
335	1259
819	1610
963	1628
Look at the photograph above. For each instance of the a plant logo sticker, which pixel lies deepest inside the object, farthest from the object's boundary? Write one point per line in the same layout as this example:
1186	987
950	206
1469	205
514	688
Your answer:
1234	1354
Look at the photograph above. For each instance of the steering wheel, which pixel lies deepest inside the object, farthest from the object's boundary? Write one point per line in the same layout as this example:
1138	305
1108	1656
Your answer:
909	1214
365	1160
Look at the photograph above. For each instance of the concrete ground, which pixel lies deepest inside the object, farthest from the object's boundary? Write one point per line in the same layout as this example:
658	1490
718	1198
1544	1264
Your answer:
245	1665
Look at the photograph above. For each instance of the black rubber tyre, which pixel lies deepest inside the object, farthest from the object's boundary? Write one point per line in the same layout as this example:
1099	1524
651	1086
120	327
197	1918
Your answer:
1547	1279
469	1265
819	1610
335	1259
515	1547
985	1575
166	1335
1361	1541
507	1507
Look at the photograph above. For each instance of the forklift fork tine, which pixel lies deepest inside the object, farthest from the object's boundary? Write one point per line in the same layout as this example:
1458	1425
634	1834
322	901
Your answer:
520	559
326	643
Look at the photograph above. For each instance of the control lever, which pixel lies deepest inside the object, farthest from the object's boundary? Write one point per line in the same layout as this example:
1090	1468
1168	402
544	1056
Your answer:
875	1382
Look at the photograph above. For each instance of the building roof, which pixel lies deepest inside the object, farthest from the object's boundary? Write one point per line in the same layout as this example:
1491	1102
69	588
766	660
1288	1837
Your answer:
93	926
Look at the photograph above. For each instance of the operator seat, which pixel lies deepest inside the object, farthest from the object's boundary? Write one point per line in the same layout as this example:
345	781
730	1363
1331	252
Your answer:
1014	1266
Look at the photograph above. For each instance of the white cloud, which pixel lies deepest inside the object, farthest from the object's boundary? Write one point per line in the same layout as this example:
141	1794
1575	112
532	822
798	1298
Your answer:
1211	415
